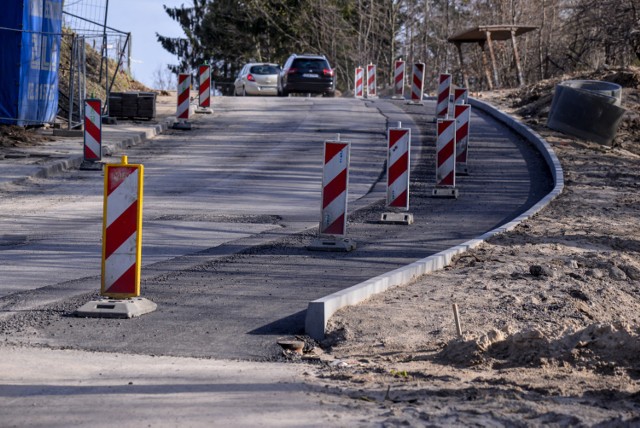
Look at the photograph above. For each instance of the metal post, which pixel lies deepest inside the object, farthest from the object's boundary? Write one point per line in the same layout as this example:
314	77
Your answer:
83	71
106	78
120	56
129	53
71	80
105	43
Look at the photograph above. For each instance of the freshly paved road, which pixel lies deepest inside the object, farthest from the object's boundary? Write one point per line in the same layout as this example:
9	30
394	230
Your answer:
223	204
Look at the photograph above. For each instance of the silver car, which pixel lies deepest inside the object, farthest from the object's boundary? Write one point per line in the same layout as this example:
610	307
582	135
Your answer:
257	79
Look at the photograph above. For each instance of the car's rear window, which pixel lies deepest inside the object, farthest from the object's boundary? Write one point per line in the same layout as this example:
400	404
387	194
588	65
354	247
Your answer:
310	63
264	69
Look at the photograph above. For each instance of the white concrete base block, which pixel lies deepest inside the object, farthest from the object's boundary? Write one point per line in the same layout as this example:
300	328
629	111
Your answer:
204	110
445	192
184	126
91	165
397	218
332	243
115	308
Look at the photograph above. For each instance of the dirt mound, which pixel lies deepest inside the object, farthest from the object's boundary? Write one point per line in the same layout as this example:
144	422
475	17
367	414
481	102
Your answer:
603	348
17	136
625	78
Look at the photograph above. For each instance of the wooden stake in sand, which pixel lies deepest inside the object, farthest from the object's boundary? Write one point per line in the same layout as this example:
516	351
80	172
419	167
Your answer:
456	316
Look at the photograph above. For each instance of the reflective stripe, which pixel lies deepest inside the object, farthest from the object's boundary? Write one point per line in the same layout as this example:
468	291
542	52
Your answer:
92	130
462	115
399	78
120	261
335	166
184	84
335	176
121	198
445	154
444	89
417	84
204	98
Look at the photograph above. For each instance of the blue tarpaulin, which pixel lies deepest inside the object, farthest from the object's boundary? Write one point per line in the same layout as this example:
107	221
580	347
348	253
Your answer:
30	35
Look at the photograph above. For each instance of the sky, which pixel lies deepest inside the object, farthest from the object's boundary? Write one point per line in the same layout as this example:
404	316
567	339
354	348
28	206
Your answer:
143	19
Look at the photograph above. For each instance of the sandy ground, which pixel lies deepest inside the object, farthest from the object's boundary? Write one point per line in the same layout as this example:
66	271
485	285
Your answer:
549	312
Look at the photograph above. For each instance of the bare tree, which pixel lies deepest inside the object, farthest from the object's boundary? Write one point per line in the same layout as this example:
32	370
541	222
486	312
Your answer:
164	79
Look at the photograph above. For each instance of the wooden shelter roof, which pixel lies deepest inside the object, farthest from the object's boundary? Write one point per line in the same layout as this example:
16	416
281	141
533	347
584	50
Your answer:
498	32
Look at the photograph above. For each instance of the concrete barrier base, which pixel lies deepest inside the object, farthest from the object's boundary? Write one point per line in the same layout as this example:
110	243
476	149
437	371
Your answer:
445	192
184	126
332	243
114	308
91	166
397	218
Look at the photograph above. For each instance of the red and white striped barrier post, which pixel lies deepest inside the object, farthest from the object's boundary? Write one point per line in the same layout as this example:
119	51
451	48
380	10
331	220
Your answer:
359	83
121	246
92	134
398	79
333	217
444	90
460	96
204	89
372	84
399	140
446	159
122	230
462	114
398	167
417	83
184	101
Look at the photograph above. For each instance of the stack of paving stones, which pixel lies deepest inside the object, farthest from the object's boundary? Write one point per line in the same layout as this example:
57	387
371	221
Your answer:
132	105
115	104
147	105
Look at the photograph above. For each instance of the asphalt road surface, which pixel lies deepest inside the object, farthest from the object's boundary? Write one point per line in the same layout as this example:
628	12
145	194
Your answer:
229	209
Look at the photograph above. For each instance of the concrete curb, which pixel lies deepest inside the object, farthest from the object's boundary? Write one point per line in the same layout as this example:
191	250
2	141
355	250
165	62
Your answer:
75	162
319	311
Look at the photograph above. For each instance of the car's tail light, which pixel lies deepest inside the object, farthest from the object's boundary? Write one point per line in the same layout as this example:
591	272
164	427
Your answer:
327	72
292	70
251	78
